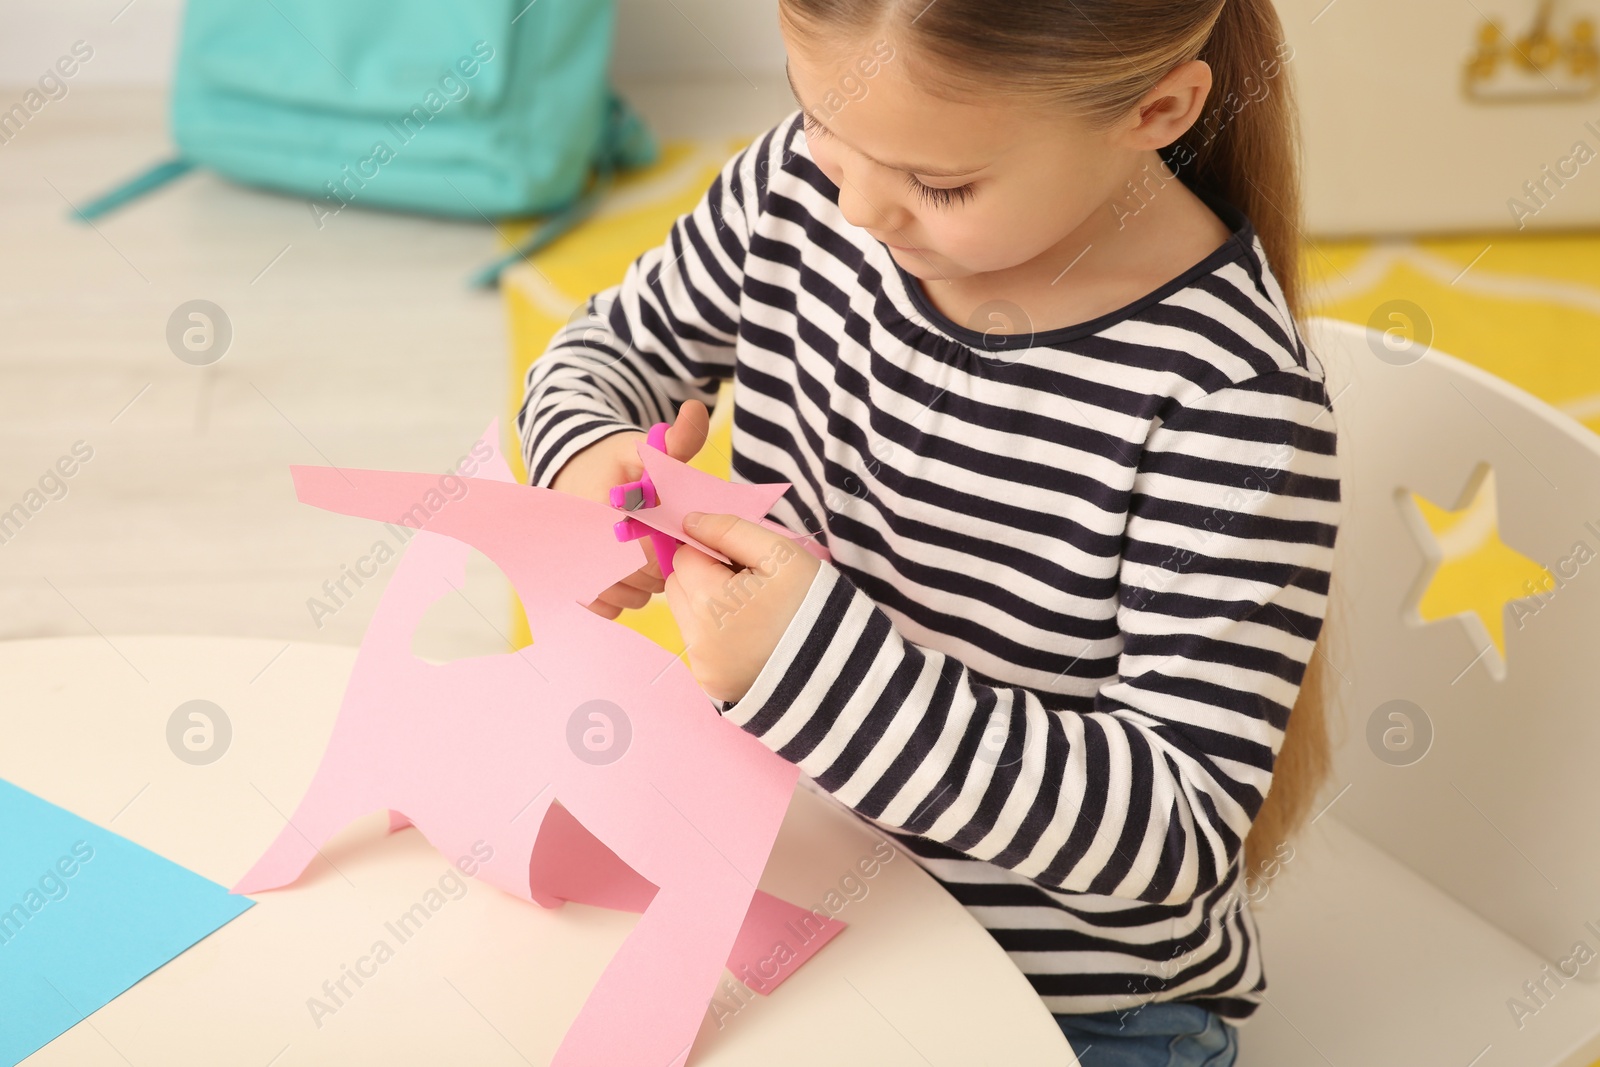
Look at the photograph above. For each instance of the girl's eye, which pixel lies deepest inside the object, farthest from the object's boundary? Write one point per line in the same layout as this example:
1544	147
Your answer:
940	197
812	125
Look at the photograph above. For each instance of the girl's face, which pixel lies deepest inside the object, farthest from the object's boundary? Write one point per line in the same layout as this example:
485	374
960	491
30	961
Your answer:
955	189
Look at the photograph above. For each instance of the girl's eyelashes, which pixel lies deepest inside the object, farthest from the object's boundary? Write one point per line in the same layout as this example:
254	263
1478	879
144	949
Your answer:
929	193
941	197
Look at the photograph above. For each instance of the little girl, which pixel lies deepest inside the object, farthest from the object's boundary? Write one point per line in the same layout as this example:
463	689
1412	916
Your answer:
1010	300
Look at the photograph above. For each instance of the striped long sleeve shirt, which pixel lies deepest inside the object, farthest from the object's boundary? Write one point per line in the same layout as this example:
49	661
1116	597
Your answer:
1074	582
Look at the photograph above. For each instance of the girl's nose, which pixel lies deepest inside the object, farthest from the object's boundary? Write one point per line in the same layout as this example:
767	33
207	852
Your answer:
869	201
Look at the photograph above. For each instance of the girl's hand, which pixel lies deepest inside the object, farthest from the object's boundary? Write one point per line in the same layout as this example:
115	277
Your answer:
612	460
732	617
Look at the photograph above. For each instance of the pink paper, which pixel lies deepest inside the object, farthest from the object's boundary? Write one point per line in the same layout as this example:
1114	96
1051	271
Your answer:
590	761
681	489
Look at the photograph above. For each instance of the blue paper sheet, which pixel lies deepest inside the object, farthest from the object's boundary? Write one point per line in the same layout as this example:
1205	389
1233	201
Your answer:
84	914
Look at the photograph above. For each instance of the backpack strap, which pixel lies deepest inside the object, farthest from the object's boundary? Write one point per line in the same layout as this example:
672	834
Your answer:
135	187
625	143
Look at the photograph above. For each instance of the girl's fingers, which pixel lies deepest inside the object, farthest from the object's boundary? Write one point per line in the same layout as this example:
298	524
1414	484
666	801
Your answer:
647	579
687	434
623	595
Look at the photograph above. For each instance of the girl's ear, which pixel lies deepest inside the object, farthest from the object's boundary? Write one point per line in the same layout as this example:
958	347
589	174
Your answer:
1172	105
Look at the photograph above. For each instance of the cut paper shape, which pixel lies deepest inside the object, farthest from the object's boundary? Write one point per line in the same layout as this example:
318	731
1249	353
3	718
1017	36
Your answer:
590	763
84	915
681	489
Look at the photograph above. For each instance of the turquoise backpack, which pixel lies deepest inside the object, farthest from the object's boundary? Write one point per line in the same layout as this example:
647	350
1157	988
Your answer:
476	109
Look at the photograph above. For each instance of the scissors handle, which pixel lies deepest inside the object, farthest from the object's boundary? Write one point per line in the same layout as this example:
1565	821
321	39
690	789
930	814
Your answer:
634	496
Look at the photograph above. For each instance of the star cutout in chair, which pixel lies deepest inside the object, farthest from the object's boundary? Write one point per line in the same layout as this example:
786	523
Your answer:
1472	576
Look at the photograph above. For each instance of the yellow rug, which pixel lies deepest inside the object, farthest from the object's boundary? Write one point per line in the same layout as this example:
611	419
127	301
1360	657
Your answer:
1523	307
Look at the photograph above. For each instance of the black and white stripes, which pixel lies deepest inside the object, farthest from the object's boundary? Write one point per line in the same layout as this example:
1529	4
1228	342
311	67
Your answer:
1074	583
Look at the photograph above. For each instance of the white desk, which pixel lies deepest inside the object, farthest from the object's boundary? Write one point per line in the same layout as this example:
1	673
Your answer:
490	979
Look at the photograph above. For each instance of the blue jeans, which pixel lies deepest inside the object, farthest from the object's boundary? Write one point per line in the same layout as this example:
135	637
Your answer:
1158	1034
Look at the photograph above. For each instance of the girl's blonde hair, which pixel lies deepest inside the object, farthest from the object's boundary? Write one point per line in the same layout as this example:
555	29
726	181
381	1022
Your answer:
1097	58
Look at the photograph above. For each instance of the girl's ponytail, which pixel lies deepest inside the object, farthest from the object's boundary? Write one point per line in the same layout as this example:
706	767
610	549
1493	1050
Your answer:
1245	147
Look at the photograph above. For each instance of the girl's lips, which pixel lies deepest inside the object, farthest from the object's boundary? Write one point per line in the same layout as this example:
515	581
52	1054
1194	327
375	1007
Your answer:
897	248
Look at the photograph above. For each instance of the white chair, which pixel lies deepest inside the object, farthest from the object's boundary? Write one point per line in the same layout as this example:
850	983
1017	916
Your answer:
1431	889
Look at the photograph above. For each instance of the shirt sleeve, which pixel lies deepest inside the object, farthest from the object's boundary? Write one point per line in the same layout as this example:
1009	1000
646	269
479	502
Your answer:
1225	574
634	352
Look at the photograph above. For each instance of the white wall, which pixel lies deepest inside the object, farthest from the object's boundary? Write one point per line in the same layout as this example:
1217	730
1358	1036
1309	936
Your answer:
134	41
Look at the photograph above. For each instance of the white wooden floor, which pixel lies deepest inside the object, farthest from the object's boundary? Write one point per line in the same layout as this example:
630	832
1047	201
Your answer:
357	345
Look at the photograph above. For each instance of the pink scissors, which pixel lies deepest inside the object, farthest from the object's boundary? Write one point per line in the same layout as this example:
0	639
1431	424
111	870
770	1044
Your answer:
632	496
